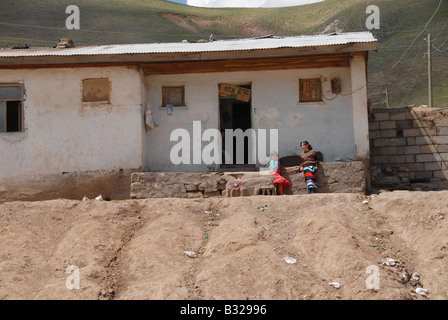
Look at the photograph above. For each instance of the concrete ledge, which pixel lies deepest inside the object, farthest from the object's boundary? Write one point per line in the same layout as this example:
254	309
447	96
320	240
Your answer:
344	177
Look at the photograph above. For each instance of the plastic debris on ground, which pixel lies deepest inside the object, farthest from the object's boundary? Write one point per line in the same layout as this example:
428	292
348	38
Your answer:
421	292
290	260
191	254
335	285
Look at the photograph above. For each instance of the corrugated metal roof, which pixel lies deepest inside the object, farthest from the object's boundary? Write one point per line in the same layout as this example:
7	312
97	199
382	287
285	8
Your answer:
261	43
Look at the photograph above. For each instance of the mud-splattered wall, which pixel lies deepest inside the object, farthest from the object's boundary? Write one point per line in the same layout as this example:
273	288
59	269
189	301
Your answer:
62	134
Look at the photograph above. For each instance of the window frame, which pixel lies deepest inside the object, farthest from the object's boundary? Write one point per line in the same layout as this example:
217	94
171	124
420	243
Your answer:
21	107
308	101
97	102
164	103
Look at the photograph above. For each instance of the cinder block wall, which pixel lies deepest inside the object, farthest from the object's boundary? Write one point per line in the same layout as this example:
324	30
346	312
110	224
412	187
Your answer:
408	145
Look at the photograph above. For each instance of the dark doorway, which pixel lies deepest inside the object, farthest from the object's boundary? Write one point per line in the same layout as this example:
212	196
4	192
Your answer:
235	113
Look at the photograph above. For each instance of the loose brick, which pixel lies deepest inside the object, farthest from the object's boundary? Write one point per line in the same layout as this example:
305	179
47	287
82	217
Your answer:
388	125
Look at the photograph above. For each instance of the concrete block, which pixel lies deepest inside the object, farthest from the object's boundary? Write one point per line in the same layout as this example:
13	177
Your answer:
379	159
428	149
411	158
405	124
423	140
388	125
383	142
397	116
412	133
410	141
443	175
428	157
441	122
393	150
423	123
443	131
433	166
376	151
397	159
397	142
390	133
412	150
374	125
440	139
423	175
374	134
415	166
381	116
442	148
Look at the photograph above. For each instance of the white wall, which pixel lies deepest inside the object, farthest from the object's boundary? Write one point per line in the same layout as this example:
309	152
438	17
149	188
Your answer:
329	126
64	135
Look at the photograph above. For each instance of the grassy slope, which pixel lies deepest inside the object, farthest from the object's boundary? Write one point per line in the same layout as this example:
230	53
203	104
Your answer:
137	21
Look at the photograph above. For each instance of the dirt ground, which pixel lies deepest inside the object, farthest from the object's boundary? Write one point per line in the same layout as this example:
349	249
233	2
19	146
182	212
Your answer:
134	249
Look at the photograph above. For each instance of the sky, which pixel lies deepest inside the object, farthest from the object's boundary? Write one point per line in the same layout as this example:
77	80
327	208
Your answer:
245	3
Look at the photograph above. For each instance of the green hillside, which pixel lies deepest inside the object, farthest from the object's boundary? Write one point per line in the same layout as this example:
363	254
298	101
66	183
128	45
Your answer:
42	23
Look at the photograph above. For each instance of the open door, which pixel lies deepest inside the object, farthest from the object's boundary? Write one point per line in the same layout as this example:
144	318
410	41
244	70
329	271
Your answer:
235	111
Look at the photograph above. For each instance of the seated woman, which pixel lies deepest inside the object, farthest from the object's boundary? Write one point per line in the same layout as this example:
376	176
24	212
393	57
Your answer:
280	182
309	166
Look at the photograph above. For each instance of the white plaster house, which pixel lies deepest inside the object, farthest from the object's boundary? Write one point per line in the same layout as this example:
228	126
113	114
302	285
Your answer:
82	109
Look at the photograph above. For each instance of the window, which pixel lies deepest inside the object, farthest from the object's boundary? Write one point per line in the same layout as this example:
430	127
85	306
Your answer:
11	111
174	96
310	90
96	90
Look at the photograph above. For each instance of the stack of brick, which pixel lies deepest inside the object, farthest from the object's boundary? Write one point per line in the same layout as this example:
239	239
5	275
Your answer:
408	145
